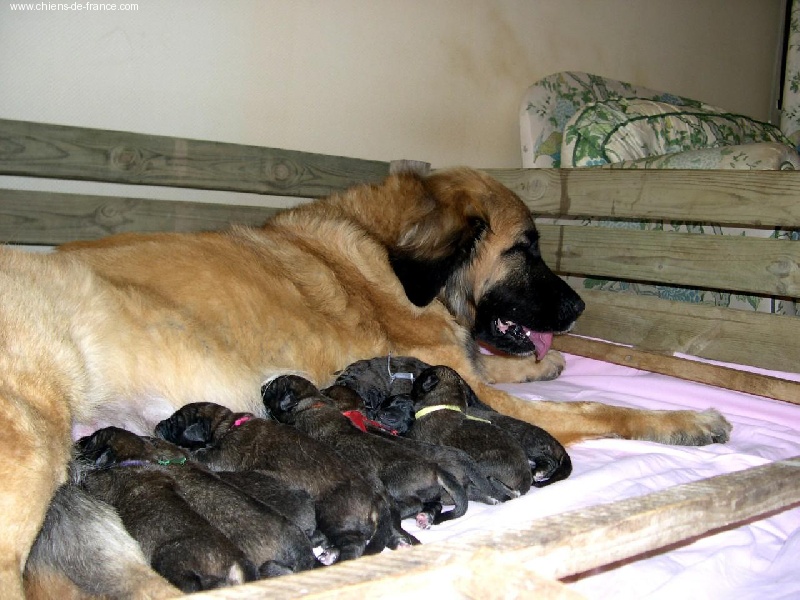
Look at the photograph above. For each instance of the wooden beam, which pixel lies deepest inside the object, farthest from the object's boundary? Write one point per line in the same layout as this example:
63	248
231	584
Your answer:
552	547
744	337
763	266
758	198
48	218
709	374
61	152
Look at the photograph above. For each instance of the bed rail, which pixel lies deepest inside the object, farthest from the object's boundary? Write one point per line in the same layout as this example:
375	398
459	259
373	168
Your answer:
650	329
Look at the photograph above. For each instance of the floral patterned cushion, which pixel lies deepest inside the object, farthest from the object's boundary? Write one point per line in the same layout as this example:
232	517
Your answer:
764	156
622	129
555	101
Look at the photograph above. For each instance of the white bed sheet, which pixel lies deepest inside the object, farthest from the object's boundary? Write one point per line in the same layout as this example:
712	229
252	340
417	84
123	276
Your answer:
760	560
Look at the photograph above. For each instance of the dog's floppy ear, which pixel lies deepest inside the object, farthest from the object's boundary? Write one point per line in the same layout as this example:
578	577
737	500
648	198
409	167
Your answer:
424	271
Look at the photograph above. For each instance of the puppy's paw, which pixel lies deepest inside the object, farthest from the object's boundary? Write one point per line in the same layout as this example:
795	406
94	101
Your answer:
326	555
423	521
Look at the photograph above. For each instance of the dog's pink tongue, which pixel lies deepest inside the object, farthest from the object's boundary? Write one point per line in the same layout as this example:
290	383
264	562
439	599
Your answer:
541	342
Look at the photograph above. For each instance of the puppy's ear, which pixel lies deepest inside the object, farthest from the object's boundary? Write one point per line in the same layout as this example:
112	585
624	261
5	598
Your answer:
288	400
108	457
428	382
196	434
95	449
424	266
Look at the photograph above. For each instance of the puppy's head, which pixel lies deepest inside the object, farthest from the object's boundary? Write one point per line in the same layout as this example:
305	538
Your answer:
344	398
441	385
112	445
286	395
195	425
396	413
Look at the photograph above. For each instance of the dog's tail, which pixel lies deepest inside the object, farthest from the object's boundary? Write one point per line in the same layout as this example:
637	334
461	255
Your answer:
457	492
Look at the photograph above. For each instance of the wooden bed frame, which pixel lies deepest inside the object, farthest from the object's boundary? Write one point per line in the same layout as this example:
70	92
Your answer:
646	331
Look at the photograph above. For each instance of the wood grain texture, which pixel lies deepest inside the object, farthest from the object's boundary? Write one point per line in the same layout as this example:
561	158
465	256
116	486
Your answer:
31	217
762	266
757	198
553	547
700	372
749	338
55	151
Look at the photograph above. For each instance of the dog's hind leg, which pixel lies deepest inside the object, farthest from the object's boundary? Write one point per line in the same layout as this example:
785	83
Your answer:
34	452
40	372
83	539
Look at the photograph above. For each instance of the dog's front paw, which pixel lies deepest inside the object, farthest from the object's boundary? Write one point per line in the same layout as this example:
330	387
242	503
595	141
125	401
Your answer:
686	427
550	366
709	427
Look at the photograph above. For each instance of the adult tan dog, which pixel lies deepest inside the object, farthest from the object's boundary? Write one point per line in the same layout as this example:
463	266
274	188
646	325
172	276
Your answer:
125	330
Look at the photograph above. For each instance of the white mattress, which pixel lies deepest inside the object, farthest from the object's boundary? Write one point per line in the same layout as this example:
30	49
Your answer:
759	560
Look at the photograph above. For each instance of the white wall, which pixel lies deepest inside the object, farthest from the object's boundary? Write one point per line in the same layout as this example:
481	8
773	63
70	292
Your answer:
434	80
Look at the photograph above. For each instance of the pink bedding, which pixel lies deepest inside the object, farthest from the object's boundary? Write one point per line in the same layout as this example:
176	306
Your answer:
759	560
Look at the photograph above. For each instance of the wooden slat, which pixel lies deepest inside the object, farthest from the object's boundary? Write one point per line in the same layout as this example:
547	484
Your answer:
762	266
552	547
31	217
55	151
759	339
759	198
700	372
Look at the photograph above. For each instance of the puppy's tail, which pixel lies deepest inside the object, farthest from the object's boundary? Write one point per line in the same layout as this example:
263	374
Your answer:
457	492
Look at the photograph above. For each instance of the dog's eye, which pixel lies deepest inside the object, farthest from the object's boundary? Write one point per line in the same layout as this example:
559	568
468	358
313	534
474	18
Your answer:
529	243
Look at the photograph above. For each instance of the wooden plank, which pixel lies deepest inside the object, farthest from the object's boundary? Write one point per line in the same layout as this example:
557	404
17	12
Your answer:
758	198
552	547
56	151
749	338
768	267
31	217
709	374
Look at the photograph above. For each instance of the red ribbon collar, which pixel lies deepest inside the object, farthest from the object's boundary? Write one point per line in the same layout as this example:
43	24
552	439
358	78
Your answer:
358	419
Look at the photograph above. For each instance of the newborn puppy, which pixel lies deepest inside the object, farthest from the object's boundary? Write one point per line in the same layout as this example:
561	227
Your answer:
83	539
269	540
379	380
441	398
295	504
547	458
414	483
177	542
351	516
394	415
399	415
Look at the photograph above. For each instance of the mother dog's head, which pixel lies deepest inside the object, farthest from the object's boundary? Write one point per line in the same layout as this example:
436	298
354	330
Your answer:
472	243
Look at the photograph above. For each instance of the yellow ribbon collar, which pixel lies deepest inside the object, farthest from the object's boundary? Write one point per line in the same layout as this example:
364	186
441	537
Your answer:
429	409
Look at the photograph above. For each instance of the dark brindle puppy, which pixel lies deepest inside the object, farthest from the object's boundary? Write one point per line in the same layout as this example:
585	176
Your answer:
415	484
441	401
84	540
294	503
386	381
399	416
269	540
352	517
177	542
548	459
